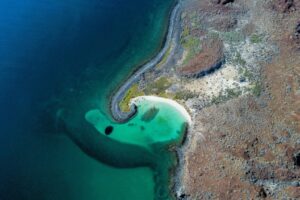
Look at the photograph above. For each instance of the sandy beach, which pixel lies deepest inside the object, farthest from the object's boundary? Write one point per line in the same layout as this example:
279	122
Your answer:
171	102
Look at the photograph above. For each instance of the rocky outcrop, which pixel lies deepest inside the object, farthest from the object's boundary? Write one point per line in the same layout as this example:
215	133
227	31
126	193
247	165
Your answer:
285	6
223	2
171	38
296	36
207	61
297	30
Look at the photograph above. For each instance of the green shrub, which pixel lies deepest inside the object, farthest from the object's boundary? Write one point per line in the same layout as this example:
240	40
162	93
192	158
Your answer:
185	32
255	38
256	90
192	45
229	94
239	60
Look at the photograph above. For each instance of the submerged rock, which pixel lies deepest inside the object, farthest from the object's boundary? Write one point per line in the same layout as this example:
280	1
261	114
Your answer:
150	114
109	130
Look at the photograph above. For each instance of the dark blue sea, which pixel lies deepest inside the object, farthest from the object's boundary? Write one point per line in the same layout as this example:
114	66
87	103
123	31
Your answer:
57	54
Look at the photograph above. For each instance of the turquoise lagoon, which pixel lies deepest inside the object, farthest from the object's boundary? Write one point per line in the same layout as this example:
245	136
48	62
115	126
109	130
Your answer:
157	120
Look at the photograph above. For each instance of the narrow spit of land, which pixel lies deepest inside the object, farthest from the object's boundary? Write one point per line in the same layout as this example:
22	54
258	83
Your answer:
171	39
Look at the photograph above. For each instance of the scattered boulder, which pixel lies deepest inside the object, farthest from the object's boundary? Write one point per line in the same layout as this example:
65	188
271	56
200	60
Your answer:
296	159
183	196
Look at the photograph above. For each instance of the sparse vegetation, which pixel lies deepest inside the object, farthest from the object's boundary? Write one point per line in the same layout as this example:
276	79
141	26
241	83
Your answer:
165	57
158	87
192	45
185	32
256	90
213	35
239	60
228	94
255	38
189	43
218	99
232	93
133	92
233	37
248	74
184	95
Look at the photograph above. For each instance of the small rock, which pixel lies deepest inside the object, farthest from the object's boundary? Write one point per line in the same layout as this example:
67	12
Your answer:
262	193
298	28
242	79
296	159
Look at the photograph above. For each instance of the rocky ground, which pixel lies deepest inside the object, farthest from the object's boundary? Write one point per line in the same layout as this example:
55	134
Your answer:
248	146
238	72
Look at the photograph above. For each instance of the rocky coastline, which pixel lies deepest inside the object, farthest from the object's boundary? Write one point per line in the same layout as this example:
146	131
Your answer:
116	112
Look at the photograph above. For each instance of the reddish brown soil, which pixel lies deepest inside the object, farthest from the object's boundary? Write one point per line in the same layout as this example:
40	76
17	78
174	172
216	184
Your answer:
210	55
251	143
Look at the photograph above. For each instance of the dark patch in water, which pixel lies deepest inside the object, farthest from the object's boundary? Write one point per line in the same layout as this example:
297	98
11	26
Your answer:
109	130
102	148
150	114
131	124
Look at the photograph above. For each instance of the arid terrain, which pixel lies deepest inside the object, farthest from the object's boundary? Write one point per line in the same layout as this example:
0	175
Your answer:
247	146
237	71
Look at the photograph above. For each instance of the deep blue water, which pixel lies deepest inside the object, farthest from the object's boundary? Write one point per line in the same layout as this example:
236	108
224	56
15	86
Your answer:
62	52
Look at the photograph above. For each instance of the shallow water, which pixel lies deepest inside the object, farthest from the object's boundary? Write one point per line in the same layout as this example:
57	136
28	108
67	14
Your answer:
155	122
156	126
58	56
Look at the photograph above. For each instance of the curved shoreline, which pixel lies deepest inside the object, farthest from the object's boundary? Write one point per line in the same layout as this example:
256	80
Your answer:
117	97
171	102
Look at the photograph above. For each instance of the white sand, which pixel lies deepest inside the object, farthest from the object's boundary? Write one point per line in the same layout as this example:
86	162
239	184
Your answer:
214	84
172	103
